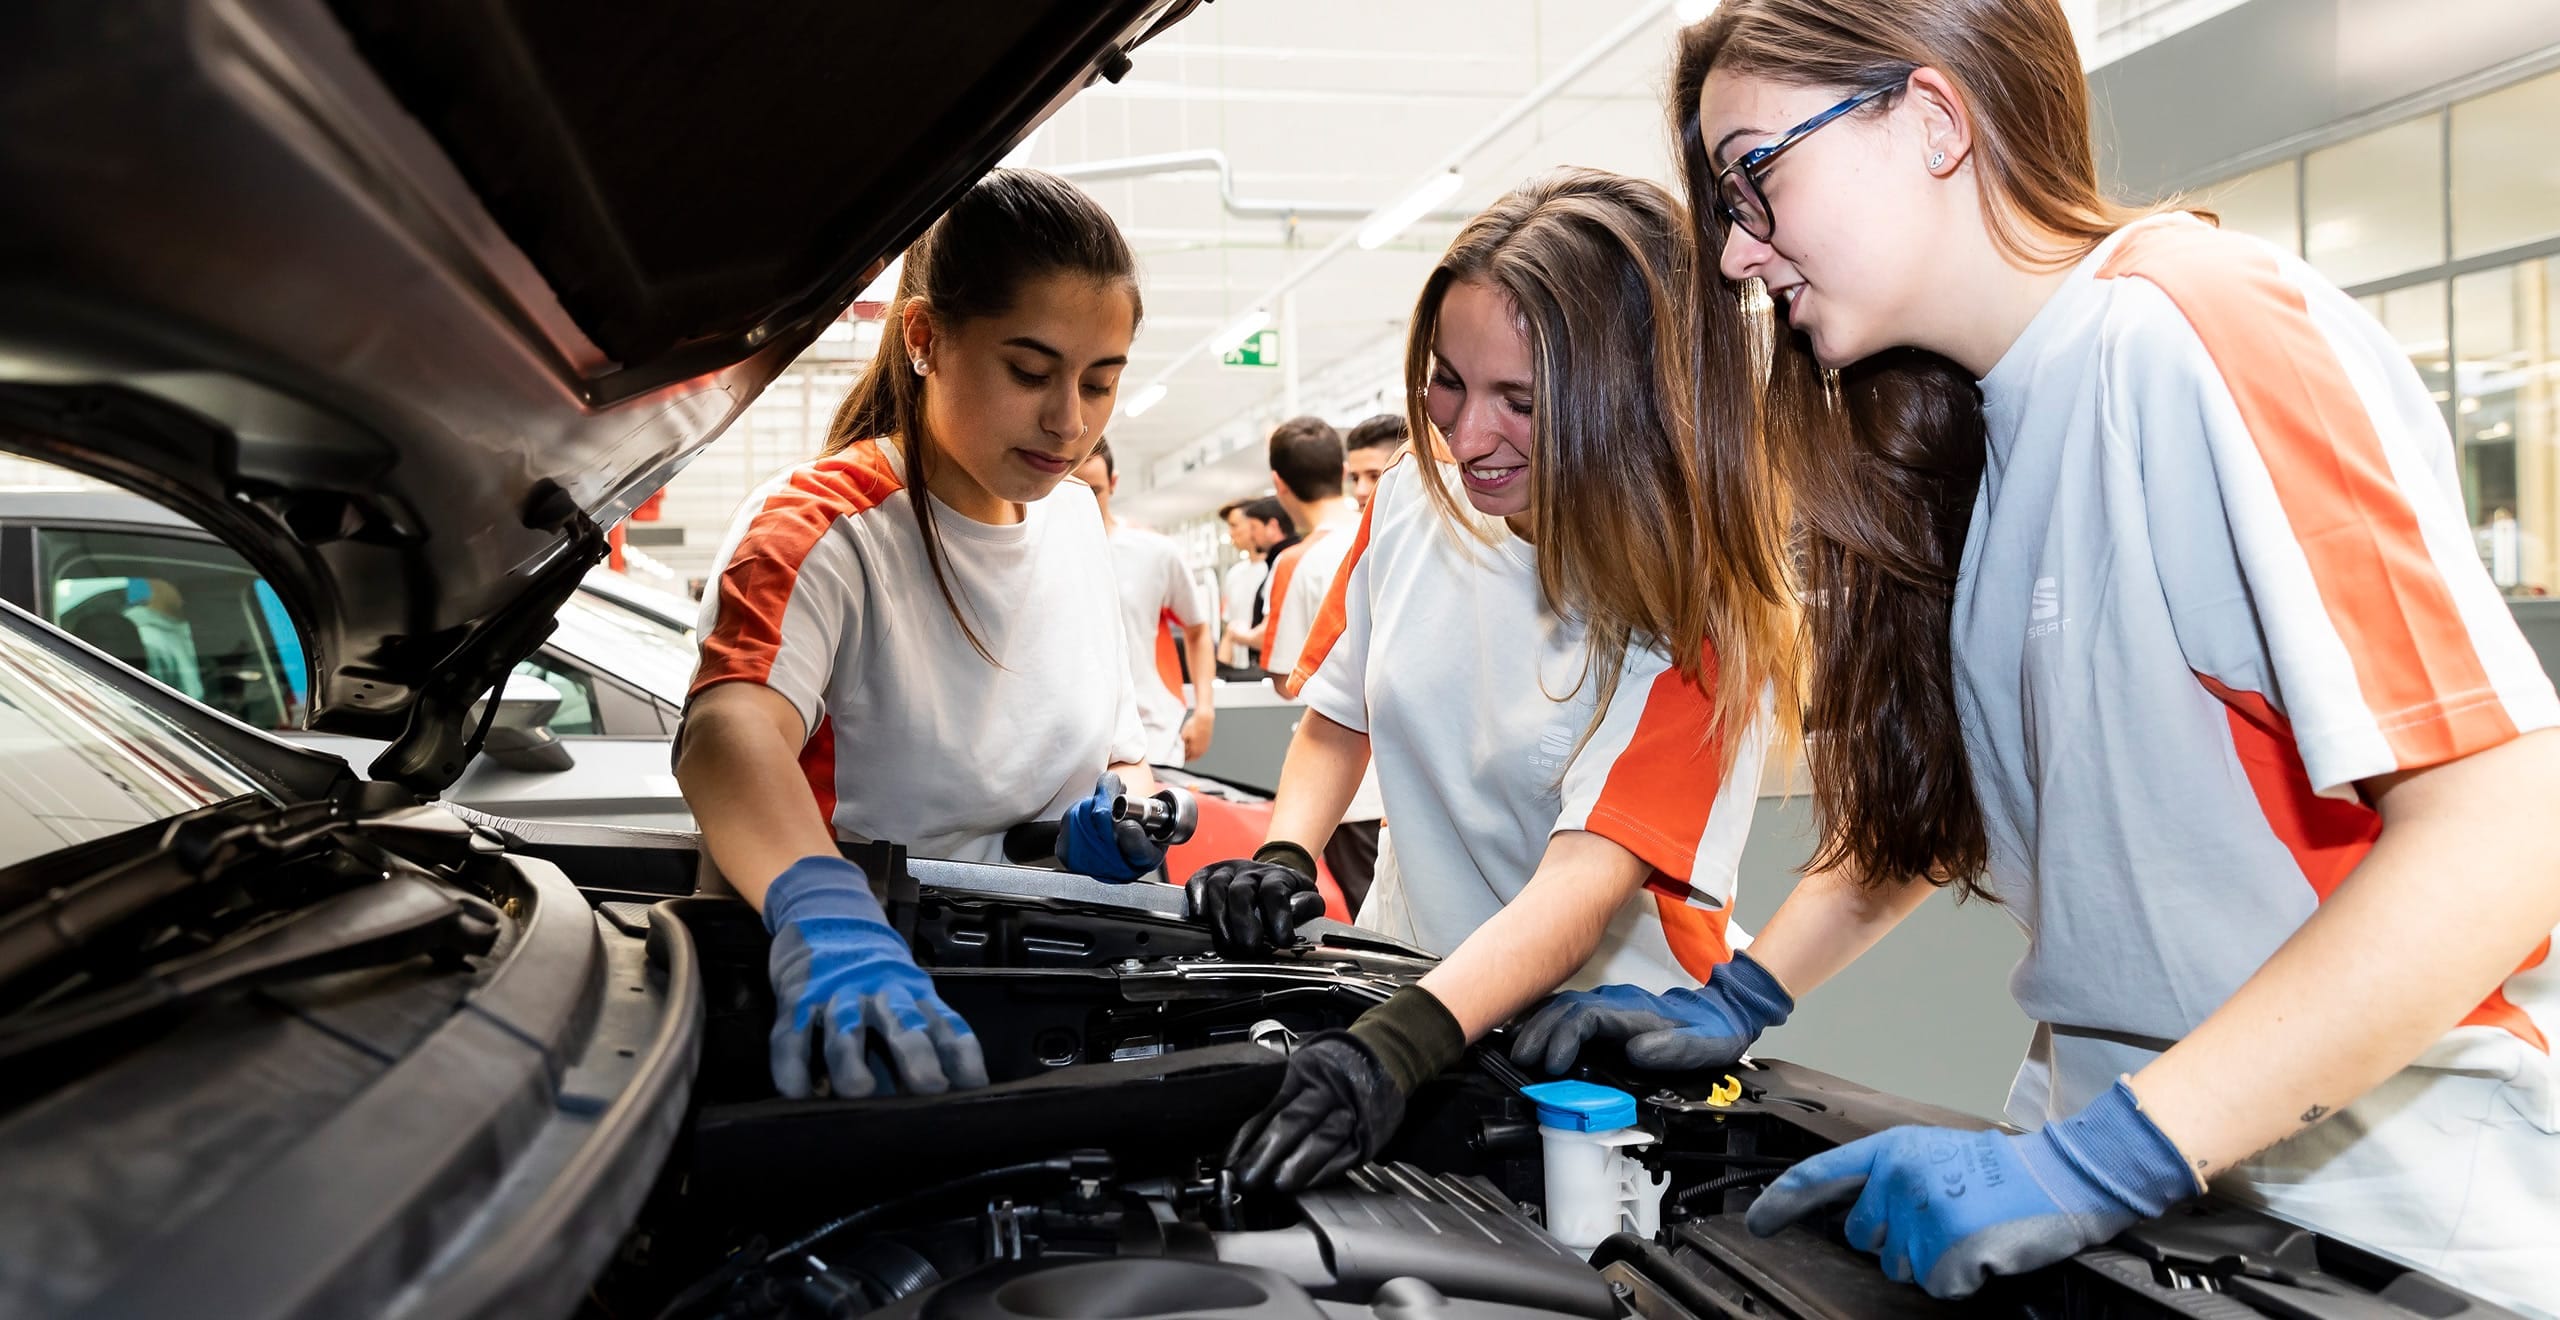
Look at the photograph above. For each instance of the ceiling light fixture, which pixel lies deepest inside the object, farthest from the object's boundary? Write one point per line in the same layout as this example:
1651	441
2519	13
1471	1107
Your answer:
1690	11
1382	227
1239	330
1143	400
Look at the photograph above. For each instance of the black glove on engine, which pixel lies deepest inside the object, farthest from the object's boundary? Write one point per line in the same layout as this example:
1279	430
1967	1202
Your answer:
1345	1092
1254	906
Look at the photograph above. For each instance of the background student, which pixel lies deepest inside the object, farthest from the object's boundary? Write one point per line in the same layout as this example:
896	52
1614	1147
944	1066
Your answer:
1159	602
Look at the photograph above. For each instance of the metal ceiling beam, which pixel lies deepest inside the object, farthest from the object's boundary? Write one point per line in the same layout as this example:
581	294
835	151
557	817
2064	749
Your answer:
1210	158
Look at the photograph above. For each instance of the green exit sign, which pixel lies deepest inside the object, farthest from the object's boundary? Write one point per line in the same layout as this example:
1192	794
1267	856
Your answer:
1263	350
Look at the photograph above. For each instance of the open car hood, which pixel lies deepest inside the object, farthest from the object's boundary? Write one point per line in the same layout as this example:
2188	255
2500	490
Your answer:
409	302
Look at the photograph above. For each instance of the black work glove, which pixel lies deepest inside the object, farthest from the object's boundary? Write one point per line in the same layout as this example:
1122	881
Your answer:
1255	906
1345	1093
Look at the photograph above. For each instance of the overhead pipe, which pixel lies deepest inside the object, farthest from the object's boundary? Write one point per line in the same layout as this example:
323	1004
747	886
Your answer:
1210	158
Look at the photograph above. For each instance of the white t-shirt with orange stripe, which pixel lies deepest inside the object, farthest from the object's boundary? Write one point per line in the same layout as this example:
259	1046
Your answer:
1299	584
1157	596
1438	647
826	598
2218	573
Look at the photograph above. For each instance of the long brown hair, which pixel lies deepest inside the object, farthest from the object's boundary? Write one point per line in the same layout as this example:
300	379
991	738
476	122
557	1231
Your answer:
1884	457
1011	228
1646	533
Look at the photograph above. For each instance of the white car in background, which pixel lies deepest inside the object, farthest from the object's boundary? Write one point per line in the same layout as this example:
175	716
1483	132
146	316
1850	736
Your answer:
581	733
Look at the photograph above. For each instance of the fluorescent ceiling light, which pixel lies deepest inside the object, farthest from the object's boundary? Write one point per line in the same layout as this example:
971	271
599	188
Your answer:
1381	228
1143	400
1690	11
1239	330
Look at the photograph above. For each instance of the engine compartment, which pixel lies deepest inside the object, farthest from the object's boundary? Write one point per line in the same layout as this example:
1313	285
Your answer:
1087	1180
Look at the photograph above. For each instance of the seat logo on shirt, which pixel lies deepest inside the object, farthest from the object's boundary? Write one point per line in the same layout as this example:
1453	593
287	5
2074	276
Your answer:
2044	609
1555	749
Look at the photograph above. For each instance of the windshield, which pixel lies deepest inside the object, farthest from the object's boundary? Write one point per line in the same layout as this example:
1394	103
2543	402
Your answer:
629	645
81	759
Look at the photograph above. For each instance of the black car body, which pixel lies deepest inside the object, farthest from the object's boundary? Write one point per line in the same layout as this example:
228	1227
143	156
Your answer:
405	302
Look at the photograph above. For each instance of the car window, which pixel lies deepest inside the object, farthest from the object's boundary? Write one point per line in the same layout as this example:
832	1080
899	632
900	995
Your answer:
80	759
577	689
626	643
189	612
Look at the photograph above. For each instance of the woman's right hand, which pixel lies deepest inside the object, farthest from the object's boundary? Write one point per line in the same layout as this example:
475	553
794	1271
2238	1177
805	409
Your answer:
1678	1031
842	976
1254	905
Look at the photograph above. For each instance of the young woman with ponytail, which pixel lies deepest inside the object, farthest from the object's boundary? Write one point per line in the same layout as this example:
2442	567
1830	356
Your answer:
2141	600
911	639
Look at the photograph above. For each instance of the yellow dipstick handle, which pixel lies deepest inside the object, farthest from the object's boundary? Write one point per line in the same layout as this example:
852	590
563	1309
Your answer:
1725	1092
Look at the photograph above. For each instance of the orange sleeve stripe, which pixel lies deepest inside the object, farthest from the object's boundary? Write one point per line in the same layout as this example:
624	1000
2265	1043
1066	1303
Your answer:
2391	606
818	763
2328	837
1696	935
1660	789
755	586
1335	613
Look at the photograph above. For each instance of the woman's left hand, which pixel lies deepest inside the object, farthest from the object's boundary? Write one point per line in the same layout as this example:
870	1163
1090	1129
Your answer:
1091	842
1948	1209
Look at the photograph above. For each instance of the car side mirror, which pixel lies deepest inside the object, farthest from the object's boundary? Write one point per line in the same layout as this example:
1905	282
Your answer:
520	737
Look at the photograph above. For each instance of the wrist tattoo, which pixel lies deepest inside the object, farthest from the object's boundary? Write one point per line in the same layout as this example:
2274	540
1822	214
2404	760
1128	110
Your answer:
2314	1114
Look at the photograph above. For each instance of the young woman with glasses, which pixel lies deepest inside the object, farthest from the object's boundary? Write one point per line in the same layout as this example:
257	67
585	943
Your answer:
2141	601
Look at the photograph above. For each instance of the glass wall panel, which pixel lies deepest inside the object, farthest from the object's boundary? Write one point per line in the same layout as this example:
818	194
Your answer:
2261	203
2507	328
2506	172
2376	203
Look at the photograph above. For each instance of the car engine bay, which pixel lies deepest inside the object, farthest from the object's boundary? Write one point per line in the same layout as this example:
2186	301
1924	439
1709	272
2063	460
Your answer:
1087	1179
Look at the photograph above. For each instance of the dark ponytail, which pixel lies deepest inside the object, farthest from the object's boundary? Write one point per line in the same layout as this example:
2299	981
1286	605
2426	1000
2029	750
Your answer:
1011	228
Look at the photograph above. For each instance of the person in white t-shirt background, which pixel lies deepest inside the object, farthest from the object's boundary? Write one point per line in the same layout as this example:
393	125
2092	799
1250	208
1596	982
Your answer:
1563	635
2141	597
1161	609
912	637
1309	471
1260	529
1307	474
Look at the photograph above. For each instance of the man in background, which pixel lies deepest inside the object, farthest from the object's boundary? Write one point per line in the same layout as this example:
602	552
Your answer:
1367	450
1307	469
1306	475
1157	597
1241	590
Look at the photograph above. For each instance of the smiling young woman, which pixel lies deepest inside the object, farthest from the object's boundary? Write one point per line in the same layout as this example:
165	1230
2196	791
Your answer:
1558	632
2141	598
914	639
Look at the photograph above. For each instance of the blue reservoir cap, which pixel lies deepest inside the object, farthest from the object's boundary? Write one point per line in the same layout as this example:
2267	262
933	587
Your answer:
1582	1106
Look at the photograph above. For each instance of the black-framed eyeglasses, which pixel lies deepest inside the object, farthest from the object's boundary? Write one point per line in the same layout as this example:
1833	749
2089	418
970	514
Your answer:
1739	200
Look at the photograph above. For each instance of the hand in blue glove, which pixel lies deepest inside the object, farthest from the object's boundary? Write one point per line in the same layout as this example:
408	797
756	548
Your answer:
839	968
1948	1209
1091	843
1680	1031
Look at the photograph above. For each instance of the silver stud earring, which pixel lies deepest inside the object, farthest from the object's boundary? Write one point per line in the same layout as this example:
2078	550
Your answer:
1937	160
919	366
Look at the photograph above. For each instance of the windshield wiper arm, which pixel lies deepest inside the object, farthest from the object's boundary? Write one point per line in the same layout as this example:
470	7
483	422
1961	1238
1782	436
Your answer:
391	920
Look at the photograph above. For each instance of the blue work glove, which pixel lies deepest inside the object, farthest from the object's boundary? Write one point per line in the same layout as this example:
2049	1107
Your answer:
1091	843
838	967
1679	1031
1949	1209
